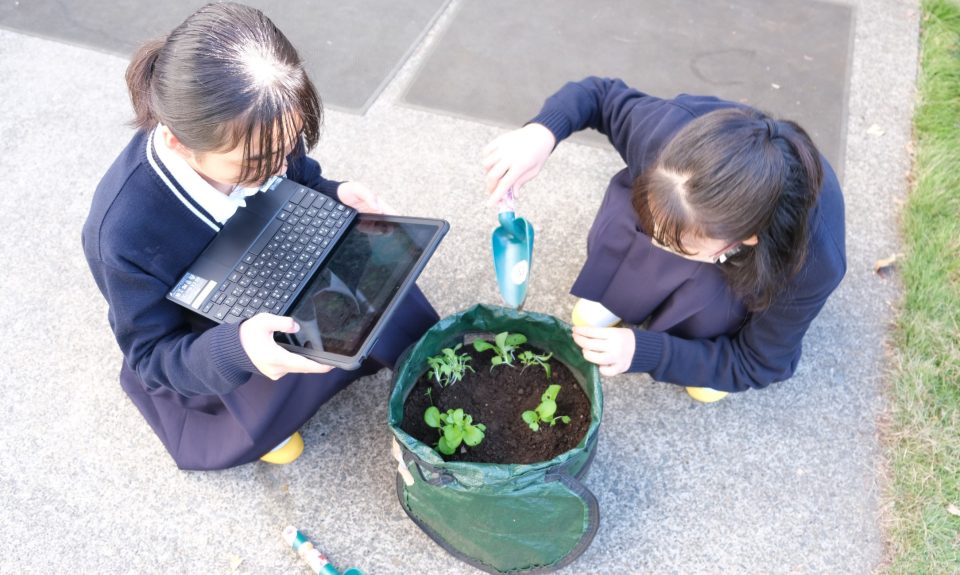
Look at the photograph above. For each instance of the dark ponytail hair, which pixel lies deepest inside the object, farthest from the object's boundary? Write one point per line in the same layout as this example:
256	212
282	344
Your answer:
227	75
139	74
729	175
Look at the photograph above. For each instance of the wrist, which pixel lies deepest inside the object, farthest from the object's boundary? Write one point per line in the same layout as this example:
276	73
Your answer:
544	135
553	122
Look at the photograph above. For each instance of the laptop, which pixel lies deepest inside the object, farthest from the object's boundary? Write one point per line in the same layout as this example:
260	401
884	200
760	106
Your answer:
294	251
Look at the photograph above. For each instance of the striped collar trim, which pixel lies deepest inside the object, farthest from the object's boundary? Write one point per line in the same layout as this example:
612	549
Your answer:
174	186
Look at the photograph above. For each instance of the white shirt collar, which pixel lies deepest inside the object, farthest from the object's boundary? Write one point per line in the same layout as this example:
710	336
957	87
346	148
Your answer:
219	205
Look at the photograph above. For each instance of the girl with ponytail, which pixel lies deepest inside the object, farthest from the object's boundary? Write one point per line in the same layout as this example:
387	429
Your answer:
719	242
220	105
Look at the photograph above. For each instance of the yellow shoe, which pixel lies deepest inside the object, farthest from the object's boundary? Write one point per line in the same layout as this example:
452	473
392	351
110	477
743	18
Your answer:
592	314
705	394
286	452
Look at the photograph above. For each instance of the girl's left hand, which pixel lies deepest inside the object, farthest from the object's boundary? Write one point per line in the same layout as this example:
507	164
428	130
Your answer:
362	199
611	348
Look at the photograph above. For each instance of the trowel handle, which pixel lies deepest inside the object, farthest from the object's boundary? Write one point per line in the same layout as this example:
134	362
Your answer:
506	219
317	561
508	203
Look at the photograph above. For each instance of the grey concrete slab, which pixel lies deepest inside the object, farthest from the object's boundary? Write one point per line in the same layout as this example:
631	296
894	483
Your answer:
498	58
783	481
351	49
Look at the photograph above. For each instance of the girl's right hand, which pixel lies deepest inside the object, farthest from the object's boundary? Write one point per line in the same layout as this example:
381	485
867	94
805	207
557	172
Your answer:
515	158
273	361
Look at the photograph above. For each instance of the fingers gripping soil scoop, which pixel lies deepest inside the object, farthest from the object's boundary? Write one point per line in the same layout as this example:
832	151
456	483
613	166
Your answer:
512	252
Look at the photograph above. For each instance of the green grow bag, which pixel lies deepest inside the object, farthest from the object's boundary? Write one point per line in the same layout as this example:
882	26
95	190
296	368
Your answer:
533	518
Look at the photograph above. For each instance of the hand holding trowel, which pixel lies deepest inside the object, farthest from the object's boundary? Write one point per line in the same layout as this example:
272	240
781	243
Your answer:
509	162
512	252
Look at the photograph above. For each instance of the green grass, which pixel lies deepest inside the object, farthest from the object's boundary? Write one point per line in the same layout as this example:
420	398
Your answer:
925	427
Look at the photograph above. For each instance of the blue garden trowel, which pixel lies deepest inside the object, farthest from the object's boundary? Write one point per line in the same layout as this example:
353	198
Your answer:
512	252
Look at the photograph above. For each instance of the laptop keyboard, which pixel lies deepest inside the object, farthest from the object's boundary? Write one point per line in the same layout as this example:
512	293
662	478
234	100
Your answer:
267	277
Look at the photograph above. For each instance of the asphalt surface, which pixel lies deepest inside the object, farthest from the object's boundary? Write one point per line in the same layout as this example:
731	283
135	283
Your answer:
785	480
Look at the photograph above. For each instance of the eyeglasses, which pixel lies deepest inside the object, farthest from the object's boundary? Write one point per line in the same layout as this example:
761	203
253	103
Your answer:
728	252
719	257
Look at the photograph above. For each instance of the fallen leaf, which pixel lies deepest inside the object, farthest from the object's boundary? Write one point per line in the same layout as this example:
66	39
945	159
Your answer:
235	562
885	265
953	510
775	86
876	130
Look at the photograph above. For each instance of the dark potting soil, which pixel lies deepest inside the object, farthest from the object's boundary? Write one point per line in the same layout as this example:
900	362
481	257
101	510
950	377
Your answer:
497	398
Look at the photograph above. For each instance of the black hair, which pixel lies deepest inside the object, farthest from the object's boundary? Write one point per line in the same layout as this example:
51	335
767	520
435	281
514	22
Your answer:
227	75
729	175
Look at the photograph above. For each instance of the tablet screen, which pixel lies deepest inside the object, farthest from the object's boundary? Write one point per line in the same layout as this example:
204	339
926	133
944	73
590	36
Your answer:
351	291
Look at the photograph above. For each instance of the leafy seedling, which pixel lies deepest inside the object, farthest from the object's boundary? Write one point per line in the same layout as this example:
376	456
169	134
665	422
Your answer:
546	412
455	427
449	367
528	358
504	345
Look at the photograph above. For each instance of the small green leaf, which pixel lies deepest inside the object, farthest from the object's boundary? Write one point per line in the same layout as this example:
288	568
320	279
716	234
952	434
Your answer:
445	448
535	426
565	418
481	427
497	360
546	409
432	417
482	345
472	435
551	393
501	339
458	417
546	368
516	339
453	435
530	416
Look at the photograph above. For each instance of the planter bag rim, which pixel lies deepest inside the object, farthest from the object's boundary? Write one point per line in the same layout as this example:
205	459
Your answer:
480	317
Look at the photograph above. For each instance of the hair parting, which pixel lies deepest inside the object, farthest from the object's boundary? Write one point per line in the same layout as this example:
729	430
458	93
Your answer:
228	75
730	175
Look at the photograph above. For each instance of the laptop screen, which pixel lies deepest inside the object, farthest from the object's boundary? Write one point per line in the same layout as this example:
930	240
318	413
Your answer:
351	291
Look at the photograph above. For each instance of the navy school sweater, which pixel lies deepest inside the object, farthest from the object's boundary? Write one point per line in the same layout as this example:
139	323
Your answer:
680	302
142	232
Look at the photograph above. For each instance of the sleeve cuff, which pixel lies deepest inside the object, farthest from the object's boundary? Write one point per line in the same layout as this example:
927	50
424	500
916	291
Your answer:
229	358
649	348
329	188
555	121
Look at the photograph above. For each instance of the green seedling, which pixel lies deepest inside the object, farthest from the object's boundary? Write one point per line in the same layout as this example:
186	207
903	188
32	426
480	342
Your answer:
528	358
504	345
449	367
455	427
546	412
